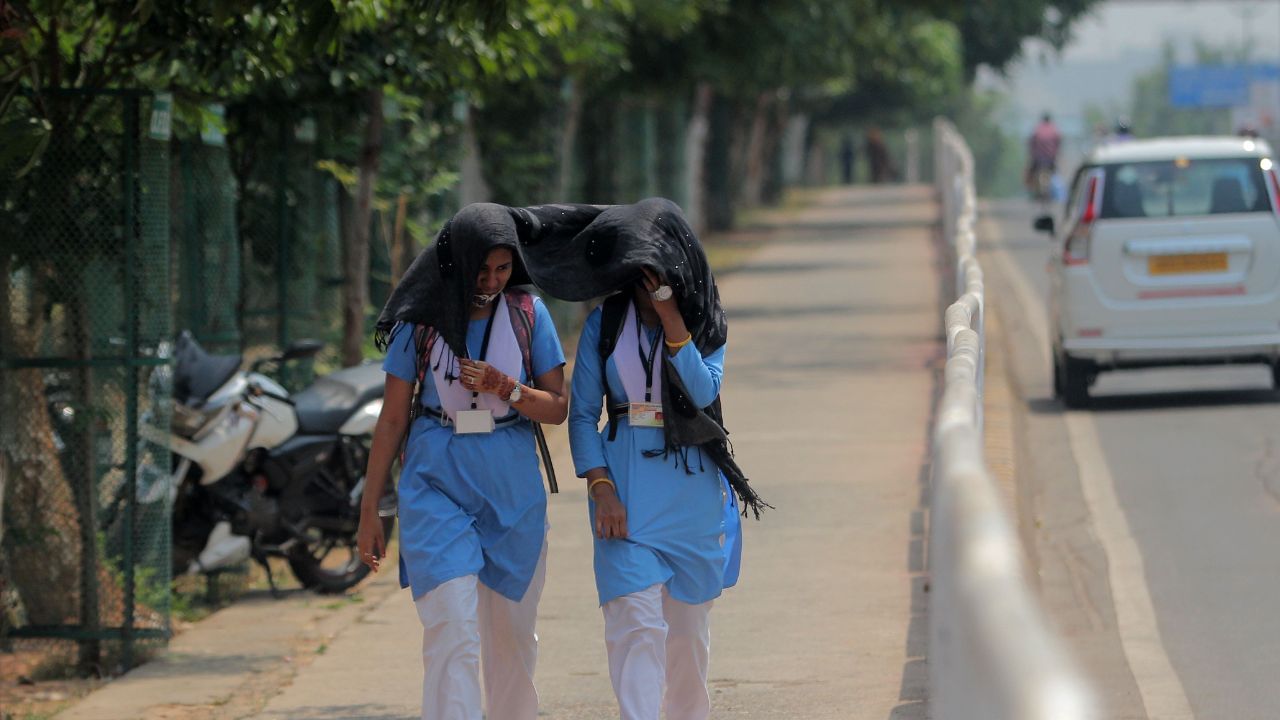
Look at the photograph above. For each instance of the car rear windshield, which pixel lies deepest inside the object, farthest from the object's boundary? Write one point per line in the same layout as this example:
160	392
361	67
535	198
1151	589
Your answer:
1181	187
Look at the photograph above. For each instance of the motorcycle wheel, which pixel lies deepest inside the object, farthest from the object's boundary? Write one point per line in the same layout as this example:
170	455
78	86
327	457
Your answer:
332	565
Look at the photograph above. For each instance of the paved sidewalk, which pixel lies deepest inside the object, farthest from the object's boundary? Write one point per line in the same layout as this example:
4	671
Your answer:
834	345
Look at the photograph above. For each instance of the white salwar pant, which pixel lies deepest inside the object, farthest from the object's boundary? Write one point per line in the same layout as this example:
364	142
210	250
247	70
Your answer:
464	621
658	652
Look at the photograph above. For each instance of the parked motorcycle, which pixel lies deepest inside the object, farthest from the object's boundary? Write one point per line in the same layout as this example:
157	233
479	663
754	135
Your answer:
258	473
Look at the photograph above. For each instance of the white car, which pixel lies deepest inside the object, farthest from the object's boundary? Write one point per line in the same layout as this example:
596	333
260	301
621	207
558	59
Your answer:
1169	254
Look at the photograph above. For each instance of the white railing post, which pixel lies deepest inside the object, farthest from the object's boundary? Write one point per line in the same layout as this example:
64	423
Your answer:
992	655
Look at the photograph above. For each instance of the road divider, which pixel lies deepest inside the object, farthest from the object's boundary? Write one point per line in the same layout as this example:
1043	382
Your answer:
992	655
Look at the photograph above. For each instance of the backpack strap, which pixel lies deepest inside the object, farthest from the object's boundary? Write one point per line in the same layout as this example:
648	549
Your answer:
520	305
424	340
612	312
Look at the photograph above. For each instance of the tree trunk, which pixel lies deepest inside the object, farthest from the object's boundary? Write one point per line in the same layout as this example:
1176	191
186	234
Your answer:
41	548
472	187
600	154
83	481
401	250
815	160
773	185
754	160
568	136
723	164
42	555
6	443
6	430
355	276
695	154
793	147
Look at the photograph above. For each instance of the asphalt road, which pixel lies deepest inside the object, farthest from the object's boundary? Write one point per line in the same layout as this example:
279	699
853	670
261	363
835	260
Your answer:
1152	517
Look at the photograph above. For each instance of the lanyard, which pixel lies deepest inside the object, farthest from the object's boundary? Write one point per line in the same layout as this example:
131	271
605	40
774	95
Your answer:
647	362
484	346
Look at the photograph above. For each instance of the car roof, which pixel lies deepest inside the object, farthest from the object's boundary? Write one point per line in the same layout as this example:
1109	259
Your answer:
1169	148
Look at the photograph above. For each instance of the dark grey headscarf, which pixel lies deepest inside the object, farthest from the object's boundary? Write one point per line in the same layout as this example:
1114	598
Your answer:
437	288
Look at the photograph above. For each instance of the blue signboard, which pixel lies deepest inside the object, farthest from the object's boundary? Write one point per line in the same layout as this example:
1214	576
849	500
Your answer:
1222	86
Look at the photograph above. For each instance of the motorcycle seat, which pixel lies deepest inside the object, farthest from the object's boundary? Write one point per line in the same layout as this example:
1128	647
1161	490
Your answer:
326	405
197	374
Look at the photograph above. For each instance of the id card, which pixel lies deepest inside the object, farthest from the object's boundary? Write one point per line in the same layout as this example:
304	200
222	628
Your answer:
472	422
645	414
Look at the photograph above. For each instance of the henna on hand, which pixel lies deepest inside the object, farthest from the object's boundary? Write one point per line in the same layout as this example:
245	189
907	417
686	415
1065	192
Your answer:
491	380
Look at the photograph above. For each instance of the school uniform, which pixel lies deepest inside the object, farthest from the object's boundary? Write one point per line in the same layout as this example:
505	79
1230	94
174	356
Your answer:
473	524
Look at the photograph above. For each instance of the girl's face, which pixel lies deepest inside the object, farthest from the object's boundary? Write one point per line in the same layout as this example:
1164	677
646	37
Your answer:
495	272
644	303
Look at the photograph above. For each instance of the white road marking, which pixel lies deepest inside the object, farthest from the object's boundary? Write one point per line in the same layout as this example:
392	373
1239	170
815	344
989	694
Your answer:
1161	689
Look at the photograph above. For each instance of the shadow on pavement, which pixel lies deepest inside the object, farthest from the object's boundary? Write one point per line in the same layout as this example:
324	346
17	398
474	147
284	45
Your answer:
177	665
851	227
783	268
747	312
365	712
1160	401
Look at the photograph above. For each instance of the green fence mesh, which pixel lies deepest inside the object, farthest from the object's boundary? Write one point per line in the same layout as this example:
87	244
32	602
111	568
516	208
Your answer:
206	244
289	229
84	268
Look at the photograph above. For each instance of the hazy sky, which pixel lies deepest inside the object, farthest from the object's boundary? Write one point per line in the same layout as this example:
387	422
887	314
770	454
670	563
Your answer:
1141	25
1120	40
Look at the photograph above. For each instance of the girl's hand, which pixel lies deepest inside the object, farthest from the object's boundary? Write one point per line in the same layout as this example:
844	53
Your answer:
370	540
611	516
668	312
651	283
480	376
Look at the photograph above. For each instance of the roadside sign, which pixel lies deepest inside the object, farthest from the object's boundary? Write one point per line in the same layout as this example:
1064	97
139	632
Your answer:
1220	86
161	123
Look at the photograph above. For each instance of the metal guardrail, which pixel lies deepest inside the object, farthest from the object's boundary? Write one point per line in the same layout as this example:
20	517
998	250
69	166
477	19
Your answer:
992	655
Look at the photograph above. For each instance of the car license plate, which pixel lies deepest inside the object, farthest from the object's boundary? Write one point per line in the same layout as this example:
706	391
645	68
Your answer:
1187	264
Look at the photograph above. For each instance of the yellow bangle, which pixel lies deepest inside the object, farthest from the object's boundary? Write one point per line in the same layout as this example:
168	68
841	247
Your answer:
591	486
678	345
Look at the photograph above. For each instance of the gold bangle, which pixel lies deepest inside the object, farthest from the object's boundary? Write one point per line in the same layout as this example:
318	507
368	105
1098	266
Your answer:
591	486
678	345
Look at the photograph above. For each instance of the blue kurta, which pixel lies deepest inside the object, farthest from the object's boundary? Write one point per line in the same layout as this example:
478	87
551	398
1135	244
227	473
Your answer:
682	528
472	504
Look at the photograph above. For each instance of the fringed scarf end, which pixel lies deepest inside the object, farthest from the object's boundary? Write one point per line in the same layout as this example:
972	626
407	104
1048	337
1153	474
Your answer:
382	337
750	500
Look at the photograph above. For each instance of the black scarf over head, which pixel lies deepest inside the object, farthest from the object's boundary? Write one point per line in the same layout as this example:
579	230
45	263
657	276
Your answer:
577	253
610	253
437	288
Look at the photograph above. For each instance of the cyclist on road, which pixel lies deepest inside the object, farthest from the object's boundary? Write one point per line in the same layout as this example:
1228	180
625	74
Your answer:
1042	147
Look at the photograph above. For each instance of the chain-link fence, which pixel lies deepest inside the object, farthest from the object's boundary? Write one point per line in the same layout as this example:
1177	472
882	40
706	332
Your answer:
206	243
289	229
84	275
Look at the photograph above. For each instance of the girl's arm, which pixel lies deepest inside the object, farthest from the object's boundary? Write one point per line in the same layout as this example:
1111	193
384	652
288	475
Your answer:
388	434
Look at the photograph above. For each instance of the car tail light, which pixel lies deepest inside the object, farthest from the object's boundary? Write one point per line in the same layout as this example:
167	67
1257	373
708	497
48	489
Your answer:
1274	183
1075	251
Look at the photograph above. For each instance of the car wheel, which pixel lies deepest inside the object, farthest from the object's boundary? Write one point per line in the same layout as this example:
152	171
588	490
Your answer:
1275	375
1075	382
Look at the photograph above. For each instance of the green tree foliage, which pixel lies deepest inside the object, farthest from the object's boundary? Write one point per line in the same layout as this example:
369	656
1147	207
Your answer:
994	30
